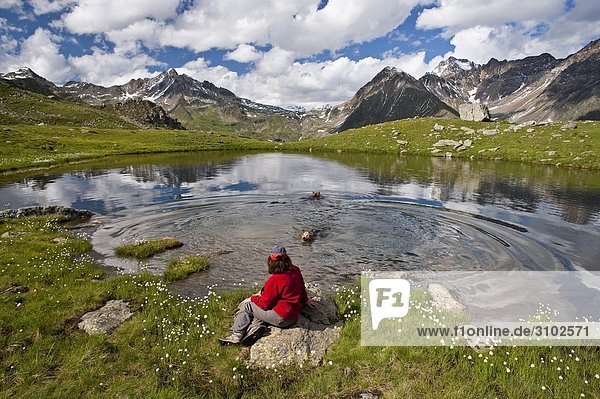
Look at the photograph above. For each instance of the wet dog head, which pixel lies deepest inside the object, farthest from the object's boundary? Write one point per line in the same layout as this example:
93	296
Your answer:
316	194
308	236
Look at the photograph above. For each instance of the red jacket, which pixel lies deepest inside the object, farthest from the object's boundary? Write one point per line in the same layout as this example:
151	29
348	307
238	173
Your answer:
284	293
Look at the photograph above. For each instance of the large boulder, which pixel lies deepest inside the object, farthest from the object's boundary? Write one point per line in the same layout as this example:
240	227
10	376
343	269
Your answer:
448	143
326	313
474	112
105	319
570	125
306	341
489	132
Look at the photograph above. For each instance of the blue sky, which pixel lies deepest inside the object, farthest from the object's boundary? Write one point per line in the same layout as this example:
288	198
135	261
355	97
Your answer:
304	52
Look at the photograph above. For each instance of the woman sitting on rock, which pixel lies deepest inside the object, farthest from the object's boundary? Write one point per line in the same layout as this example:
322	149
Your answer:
279	303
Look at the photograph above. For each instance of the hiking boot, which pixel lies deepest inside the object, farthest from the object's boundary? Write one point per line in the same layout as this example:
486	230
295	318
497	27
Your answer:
232	339
254	333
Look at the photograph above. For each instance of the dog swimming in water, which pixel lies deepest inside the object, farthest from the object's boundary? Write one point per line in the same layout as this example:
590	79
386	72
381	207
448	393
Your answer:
308	236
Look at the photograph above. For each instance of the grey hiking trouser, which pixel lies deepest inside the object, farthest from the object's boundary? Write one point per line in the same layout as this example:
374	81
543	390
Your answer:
250	315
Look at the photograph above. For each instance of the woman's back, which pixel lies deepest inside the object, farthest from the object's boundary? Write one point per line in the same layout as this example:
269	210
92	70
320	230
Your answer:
284	293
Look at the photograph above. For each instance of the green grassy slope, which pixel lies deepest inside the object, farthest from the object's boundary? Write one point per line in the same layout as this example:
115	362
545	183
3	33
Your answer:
27	146
22	107
259	126
33	146
546	144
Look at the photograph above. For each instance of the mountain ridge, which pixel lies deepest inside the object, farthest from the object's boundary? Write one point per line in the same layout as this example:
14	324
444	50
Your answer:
53	104
392	94
536	87
532	88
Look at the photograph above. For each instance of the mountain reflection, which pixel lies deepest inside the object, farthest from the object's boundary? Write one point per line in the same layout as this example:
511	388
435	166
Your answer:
572	195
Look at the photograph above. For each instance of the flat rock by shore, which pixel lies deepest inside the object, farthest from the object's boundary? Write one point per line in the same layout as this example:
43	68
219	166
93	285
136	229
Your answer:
67	212
306	341
105	319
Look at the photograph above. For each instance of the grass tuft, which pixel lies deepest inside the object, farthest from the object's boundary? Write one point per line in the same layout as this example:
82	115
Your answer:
180	268
147	248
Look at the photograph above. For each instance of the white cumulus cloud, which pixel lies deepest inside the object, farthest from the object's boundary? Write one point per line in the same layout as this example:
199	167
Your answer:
469	13
513	29
110	68
40	52
41	7
244	53
340	23
10	4
7	44
279	80
218	75
293	25
93	16
494	42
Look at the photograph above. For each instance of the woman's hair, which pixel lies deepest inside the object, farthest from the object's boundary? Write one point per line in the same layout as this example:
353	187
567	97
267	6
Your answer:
279	264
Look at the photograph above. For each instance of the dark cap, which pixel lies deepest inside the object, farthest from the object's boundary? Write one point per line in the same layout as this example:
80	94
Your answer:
278	250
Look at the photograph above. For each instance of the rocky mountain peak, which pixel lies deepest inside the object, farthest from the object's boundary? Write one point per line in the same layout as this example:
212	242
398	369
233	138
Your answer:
389	78
453	66
392	94
389	70
388	74
591	51
24	78
538	87
27	72
593	46
22	73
